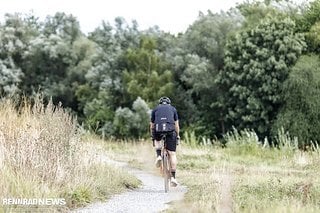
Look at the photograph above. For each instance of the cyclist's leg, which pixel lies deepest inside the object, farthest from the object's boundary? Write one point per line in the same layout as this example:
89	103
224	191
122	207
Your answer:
173	161
157	143
158	146
171	140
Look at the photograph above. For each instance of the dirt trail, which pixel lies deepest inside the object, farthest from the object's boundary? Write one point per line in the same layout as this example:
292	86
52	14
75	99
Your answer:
226	194
149	198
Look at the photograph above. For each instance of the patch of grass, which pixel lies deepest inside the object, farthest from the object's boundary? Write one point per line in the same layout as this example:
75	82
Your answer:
80	196
100	183
203	192
262	182
276	191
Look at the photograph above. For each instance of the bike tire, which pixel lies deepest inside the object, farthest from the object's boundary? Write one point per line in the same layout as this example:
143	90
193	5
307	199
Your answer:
166	172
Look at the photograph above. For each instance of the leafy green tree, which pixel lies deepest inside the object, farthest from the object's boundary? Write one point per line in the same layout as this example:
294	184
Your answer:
257	63
57	60
197	58
208	34
103	92
308	22
313	38
83	52
10	78
62	25
308	17
301	93
48	60
198	79
15	36
109	63
126	35
255	11
146	75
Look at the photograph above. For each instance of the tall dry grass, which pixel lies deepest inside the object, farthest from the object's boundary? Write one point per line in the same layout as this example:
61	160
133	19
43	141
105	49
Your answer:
42	155
38	143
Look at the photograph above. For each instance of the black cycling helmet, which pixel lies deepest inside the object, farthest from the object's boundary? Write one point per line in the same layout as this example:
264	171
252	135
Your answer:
164	100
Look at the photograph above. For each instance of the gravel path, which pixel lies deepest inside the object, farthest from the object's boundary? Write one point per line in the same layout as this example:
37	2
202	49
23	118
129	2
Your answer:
149	198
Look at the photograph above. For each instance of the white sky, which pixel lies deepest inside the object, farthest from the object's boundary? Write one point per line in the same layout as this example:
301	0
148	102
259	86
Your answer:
170	15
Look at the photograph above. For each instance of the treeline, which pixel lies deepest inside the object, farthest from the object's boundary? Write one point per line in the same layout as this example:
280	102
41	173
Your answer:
253	67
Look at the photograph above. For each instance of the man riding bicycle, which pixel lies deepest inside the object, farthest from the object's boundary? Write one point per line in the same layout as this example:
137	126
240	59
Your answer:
165	122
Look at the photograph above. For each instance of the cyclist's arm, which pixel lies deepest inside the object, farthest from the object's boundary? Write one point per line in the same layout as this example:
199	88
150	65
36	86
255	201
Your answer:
177	127
151	128
152	120
176	122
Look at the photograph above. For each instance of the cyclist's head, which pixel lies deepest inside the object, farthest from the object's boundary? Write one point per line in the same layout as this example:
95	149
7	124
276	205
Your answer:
164	100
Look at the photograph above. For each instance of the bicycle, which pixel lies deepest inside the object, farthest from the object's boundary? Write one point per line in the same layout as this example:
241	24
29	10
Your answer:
165	165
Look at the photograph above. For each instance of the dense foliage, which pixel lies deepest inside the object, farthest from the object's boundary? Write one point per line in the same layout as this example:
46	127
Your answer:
232	69
257	62
300	114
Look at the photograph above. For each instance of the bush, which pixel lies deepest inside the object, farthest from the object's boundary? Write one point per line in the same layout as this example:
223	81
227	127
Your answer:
129	123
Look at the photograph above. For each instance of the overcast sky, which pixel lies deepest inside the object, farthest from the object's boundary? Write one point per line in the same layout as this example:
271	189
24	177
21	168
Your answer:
170	15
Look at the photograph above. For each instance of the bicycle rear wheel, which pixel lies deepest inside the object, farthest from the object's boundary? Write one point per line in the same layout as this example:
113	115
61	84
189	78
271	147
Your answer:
166	172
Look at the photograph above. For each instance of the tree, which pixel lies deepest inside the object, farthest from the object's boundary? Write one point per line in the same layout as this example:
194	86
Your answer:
57	60
15	35
103	93
146	74
299	116
106	73
255	11
309	16
197	58
62	25
10	78
207	36
313	38
257	63
308	22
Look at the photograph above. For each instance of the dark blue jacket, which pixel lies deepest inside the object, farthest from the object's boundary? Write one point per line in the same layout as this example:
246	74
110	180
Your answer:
164	114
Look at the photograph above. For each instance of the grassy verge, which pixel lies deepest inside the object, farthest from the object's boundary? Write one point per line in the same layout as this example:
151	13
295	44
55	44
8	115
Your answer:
43	155
263	179
258	179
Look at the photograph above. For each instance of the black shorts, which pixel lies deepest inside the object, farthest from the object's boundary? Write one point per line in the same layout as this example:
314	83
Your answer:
171	139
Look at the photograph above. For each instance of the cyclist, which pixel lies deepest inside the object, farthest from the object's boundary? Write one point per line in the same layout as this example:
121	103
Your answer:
165	122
